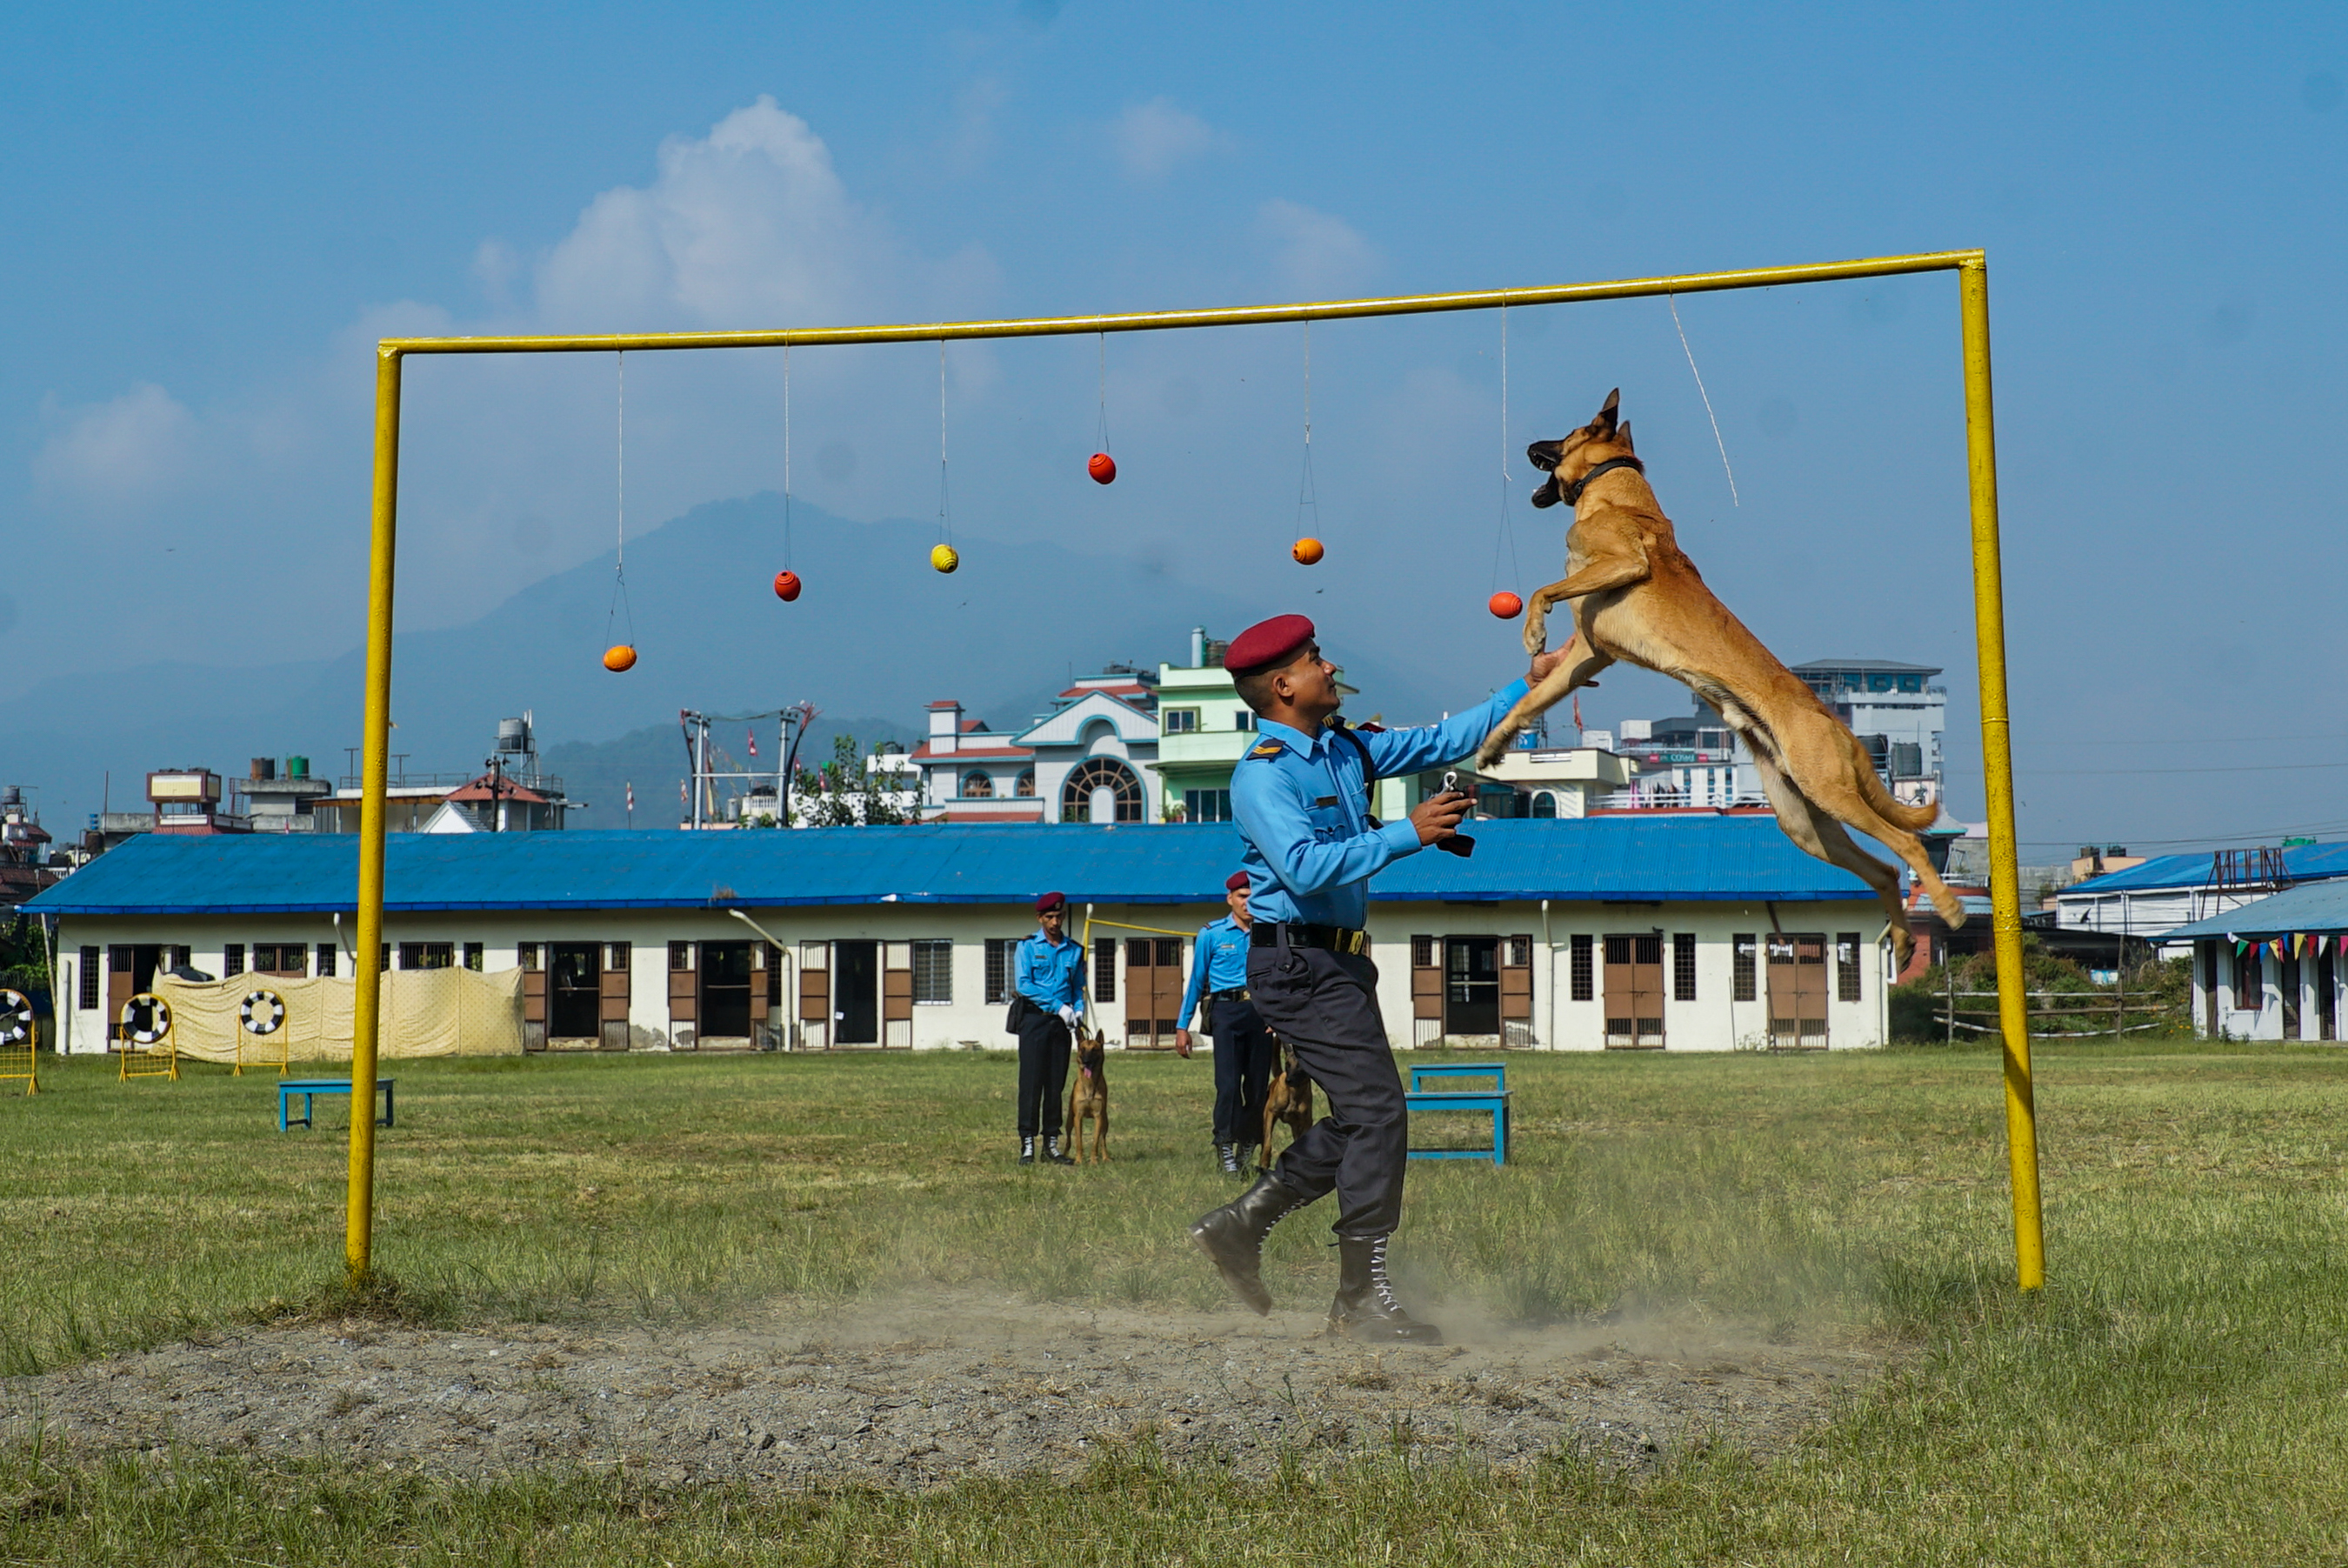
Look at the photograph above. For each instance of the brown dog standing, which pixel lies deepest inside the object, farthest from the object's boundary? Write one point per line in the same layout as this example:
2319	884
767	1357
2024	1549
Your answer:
1288	1098
1636	597
1088	1096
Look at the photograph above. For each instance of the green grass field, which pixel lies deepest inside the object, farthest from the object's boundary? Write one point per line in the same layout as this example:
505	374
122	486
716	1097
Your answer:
2178	1394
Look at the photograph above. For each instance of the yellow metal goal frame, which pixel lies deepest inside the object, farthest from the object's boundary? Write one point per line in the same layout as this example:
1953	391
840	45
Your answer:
1972	268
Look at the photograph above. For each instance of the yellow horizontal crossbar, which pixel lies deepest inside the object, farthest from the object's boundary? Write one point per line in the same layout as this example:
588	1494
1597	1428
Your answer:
1162	320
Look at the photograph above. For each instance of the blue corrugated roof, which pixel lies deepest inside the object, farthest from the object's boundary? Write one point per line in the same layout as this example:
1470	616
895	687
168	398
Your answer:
1630	858
2308	862
2311	907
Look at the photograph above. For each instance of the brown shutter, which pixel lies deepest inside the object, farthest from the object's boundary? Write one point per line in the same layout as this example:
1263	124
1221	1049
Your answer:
1425	980
1516	979
683	994
1797	990
1635	992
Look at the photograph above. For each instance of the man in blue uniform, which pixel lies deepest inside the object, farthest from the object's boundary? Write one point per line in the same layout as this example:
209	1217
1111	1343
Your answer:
1302	798
1244	1048
1048	972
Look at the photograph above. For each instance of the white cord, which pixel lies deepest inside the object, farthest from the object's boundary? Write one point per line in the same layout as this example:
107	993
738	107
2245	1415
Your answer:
1708	401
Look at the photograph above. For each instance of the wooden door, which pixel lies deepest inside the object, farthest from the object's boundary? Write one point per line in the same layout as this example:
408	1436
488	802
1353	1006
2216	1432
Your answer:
1153	991
897	994
1517	991
814	996
761	992
683	998
1635	992
1471	988
1797	990
120	987
619	962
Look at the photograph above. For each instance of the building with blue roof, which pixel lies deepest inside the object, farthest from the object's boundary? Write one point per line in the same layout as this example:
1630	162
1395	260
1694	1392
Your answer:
1643	931
2167	892
2271	969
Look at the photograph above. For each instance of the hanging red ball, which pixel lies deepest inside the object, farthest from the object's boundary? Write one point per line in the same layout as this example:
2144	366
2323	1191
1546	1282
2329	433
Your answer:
1507	605
787	586
1103	468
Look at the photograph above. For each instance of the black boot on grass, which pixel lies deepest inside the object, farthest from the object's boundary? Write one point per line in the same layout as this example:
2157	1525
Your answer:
1232	1236
1229	1155
1052	1153
1365	1308
1027	1151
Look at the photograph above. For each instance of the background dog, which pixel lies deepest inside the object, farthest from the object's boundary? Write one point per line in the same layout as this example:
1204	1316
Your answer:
1287	1098
1088	1096
1636	597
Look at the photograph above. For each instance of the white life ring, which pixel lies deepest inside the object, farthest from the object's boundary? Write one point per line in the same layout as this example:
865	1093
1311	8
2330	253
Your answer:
158	1014
261	1012
15	1018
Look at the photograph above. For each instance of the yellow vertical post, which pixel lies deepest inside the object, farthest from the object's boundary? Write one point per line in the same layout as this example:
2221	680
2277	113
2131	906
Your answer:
1997	779
358	1233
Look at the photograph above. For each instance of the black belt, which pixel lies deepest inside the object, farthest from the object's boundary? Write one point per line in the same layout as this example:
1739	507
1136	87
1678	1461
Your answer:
1236	994
1302	934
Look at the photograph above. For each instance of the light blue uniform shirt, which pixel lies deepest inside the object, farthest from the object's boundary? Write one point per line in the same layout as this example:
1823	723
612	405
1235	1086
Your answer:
1051	976
1311	851
1219	962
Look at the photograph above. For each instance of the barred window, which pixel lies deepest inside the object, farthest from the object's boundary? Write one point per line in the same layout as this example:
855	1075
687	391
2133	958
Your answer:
232	959
1585	968
1104	975
1847	977
1682	965
1422	951
932	971
680	955
998	967
1520	953
89	977
1746	968
327	960
526	954
474	958
386	956
428	955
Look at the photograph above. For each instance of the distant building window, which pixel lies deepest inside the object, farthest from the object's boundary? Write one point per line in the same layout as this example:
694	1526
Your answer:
1244	719
326	960
1683	967
526	955
1544	804
1024	786
1520	953
998	967
1205	805
977	786
232	959
932	971
1911	682
1178	721
2250	980
289	960
1846	973
680	956
1422	951
89	978
1104	969
428	955
1745	969
475	957
1585	968
1103	789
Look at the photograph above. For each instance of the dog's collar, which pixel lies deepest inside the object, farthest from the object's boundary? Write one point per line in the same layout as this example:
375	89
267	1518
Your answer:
1572	494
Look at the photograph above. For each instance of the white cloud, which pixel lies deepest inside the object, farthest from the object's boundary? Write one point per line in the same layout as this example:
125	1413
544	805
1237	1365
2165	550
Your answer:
1315	252
748	225
115	455
1152	138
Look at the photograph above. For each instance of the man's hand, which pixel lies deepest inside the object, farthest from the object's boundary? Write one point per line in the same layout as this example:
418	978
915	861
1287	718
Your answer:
1182	1044
1544	663
1439	817
1069	1017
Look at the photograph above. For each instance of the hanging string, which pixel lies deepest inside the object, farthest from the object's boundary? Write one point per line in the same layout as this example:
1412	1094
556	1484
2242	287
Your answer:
619	561
786	457
945	522
1103	393
1699	392
1508	534
1308	499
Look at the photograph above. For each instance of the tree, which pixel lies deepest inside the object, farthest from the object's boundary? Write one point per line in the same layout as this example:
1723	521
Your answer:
846	792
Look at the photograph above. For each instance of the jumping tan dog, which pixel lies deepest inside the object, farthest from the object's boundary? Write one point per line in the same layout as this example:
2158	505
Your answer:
1088	1096
1635	597
1288	1098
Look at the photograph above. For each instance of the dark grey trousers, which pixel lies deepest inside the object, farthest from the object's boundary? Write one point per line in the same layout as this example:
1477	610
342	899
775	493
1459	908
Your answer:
1043	1074
1244	1054
1325	1006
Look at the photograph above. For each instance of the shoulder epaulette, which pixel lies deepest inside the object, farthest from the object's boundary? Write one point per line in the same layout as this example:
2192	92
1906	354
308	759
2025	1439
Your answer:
1267	748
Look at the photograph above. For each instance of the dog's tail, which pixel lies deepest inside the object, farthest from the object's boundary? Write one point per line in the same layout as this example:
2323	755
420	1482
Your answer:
1915	819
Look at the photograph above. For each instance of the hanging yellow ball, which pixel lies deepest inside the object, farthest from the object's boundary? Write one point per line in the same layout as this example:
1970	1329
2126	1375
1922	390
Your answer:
619	658
1306	550
944	559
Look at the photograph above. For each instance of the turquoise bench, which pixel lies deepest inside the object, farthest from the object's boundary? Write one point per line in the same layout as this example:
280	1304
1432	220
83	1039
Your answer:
1497	1071
1494	1103
309	1088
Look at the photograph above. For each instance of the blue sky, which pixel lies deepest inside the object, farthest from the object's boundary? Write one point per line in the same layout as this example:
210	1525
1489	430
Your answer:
212	214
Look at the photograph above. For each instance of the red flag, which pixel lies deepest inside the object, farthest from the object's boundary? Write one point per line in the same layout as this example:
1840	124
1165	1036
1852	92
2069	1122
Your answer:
754	744
632	799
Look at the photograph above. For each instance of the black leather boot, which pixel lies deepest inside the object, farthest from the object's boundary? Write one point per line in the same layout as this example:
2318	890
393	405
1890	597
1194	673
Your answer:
1366	1307
1229	1157
1052	1153
1027	1151
1232	1236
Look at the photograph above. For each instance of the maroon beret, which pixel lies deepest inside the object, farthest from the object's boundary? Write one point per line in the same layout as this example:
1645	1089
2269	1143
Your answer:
1236	883
1266	645
1051	901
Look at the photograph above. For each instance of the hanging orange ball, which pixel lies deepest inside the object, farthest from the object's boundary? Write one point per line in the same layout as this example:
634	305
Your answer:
944	559
1306	550
787	586
1507	605
1103	468
619	658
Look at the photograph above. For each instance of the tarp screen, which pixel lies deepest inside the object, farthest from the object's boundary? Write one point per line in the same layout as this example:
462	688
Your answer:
425	1013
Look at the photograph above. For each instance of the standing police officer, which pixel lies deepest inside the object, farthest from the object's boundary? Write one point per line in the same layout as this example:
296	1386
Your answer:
1302	798
1048	972
1244	1050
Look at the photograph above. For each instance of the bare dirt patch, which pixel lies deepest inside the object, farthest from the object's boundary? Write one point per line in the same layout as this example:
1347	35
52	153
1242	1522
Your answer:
911	1393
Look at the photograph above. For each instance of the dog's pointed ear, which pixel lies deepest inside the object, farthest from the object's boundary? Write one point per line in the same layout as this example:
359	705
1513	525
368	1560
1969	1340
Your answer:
1623	434
1605	420
1547	495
